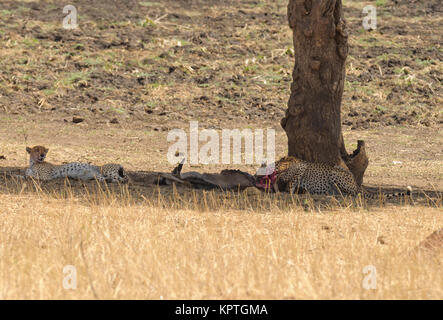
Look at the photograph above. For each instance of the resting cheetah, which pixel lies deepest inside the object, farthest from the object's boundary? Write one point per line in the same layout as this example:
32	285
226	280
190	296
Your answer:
42	170
295	175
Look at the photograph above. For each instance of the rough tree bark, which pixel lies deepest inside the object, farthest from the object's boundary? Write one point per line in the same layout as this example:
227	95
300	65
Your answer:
312	121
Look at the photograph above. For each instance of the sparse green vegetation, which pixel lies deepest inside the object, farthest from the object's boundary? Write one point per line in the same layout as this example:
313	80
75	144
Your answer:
158	66
423	63
6	12
76	77
49	92
30	42
147	22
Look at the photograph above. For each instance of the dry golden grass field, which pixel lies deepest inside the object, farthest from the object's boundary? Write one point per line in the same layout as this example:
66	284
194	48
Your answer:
132	71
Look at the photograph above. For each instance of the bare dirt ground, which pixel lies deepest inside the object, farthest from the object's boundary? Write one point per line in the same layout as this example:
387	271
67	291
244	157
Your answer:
159	64
111	90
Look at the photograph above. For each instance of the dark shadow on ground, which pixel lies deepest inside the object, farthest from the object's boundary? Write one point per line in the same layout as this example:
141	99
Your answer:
179	196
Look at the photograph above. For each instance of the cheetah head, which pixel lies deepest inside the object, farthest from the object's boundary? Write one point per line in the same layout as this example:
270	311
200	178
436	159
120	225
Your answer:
37	154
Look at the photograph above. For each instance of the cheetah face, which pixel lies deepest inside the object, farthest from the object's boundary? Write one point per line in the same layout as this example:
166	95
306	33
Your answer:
37	154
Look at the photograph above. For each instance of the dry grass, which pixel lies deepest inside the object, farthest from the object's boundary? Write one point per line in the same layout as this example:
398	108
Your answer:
231	70
151	250
150	243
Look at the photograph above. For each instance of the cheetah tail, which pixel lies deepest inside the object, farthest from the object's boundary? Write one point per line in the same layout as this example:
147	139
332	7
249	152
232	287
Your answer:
390	195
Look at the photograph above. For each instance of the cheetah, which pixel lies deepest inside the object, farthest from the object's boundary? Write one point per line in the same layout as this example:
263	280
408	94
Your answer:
299	176
45	171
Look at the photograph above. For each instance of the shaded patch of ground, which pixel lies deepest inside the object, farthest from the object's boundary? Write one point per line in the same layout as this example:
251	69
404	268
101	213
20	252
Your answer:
178	195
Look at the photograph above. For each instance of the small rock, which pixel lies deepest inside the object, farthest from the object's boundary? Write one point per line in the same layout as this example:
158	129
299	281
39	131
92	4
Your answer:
381	240
2	158
35	6
171	69
141	80
114	121
77	119
57	37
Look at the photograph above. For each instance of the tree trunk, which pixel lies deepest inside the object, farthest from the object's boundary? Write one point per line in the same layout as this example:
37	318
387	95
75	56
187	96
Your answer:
313	122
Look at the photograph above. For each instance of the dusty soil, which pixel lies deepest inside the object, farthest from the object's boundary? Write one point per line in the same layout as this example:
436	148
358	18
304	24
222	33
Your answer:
111	89
159	64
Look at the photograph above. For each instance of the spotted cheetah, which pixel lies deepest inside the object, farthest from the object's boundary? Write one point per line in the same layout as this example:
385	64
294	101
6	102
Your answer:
42	170
299	176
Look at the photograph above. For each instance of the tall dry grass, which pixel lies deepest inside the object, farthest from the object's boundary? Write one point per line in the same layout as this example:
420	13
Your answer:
155	248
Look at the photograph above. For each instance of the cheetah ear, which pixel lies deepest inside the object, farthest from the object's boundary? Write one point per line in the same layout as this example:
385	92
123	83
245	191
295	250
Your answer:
28	150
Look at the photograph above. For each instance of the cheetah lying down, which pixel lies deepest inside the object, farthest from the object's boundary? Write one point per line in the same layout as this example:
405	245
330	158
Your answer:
299	176
288	174
42	170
